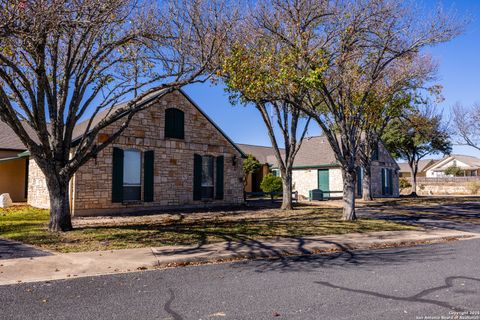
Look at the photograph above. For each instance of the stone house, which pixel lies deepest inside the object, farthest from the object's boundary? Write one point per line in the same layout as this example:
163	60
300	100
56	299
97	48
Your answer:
315	167
172	155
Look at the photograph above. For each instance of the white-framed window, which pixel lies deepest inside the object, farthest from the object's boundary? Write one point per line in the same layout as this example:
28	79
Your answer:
132	175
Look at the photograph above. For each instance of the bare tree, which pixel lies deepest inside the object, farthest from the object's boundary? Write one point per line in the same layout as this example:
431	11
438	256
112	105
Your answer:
392	99
467	125
258	71
347	49
63	60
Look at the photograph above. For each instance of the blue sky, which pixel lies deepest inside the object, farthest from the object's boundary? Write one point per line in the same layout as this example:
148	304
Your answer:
459	74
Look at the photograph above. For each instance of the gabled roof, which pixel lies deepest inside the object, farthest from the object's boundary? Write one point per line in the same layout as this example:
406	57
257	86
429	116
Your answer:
472	162
264	155
10	141
423	165
314	152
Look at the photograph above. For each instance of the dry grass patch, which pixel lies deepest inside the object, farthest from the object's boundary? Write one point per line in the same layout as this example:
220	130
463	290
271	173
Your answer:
30	226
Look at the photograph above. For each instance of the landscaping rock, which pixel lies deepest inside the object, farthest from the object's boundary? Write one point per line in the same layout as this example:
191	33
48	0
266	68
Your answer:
5	200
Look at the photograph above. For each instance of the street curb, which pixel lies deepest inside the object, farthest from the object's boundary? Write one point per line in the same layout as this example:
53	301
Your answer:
233	257
90	264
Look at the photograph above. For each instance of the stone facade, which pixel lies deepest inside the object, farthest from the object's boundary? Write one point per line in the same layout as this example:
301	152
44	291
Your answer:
385	160
306	179
173	161
91	191
37	187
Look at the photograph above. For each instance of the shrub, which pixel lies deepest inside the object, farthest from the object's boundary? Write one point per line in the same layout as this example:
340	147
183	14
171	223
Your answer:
473	187
404	184
454	171
271	183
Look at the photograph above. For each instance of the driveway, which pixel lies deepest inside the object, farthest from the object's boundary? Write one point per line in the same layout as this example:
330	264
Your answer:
12	249
401	283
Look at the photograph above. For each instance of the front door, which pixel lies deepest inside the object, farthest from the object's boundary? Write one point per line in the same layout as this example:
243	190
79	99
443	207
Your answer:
324	182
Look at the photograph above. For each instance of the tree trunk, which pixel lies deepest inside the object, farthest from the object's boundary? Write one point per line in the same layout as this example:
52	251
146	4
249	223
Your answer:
367	184
413	192
287	192
60	218
349	195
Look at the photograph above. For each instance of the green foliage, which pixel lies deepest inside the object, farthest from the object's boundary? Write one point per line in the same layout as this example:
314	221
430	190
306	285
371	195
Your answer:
454	170
250	164
404	184
416	135
271	183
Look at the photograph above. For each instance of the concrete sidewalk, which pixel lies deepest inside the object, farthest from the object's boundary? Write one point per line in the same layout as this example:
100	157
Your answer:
71	265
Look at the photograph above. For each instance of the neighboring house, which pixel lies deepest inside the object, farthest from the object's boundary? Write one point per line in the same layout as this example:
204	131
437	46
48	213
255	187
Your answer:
171	155
423	165
469	164
266	157
315	167
13	165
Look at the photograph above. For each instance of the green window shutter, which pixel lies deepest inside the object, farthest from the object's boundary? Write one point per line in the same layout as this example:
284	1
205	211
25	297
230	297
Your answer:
359	181
179	124
197	177
383	181
219	181
174	123
148	174
375	153
169	123
117	175
390	181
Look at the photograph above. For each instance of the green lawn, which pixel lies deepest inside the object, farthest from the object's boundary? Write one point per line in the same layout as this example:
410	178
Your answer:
29	226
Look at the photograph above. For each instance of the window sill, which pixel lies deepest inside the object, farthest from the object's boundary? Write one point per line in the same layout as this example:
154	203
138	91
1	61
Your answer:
132	202
176	139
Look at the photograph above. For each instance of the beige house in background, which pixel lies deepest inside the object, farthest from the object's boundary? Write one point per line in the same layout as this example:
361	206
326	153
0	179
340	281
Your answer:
470	166
316	168
423	166
172	155
13	165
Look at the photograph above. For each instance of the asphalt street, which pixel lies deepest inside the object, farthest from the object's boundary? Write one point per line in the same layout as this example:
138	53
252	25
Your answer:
401	283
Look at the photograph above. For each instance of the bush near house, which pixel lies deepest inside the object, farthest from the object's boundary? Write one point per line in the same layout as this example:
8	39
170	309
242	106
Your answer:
454	171
270	184
404	184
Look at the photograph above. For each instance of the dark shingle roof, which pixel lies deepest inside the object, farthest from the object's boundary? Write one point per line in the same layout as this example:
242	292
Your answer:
261	153
422	165
315	151
8	139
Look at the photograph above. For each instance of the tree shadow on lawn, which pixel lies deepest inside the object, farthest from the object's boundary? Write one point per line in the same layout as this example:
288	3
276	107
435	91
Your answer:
234	232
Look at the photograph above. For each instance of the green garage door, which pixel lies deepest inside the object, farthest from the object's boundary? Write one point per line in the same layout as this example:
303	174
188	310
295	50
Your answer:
324	182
